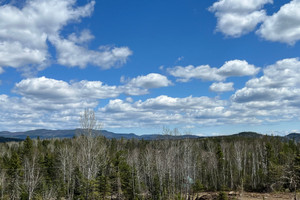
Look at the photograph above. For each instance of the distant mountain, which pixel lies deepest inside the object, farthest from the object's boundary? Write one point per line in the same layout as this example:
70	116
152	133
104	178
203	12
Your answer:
293	136
7	139
248	134
6	136
44	133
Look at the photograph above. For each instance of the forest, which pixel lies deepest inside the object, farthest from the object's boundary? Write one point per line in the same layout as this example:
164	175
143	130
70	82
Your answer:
90	166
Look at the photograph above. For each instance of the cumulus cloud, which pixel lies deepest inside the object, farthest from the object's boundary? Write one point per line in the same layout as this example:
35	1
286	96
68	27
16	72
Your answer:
25	31
162	110
203	72
236	18
207	73
61	92
141	84
283	26
70	54
279	82
152	80
84	37
26	114
221	87
48	103
237	68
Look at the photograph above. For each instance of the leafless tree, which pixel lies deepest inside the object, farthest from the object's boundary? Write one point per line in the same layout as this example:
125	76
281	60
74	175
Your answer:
89	146
2	182
32	174
67	166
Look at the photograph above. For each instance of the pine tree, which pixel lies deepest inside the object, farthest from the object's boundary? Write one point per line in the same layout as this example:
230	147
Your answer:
103	185
28	147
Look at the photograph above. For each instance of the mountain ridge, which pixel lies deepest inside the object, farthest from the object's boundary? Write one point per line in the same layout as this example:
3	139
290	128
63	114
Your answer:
47	133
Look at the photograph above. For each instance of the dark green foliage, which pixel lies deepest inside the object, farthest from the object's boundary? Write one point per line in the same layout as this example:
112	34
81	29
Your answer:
14	165
78	184
156	188
28	146
222	196
198	187
139	169
103	185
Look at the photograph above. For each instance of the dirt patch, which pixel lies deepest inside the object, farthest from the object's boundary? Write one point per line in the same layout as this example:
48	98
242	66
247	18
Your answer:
246	196
267	196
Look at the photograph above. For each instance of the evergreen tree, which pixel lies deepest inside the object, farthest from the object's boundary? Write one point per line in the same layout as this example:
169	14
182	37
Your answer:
28	147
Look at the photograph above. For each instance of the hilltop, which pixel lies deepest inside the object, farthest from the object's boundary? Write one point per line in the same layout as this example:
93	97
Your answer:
6	136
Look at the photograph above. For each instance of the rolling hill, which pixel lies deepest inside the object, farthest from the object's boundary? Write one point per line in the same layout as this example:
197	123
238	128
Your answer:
6	136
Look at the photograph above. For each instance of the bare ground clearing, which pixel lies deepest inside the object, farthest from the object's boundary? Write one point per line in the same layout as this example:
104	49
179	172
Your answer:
248	196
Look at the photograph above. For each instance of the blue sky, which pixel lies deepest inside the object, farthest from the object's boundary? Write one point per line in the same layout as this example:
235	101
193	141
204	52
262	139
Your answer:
204	67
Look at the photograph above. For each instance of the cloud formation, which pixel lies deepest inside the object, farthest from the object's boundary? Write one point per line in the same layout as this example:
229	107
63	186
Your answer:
46	103
279	82
207	73
162	110
25	31
236	17
221	87
141	84
275	96
60	91
272	97
51	103
72	55
283	26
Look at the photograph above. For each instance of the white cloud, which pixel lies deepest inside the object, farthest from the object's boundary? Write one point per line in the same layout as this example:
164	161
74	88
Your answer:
85	36
221	87
24	33
237	68
54	94
52	104
274	97
129	99
162	110
49	103
70	54
166	102
238	17
283	26
203	72
141	84
236	24
152	80
14	54
60	91
25	114
278	88
207	73
238	5
284	73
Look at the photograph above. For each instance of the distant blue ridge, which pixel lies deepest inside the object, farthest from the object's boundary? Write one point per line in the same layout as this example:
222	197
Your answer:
45	133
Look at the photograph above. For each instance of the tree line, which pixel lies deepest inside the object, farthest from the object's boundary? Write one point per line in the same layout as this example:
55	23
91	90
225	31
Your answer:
90	166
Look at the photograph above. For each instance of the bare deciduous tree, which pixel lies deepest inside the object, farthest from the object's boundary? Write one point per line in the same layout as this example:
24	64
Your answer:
32	174
89	147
